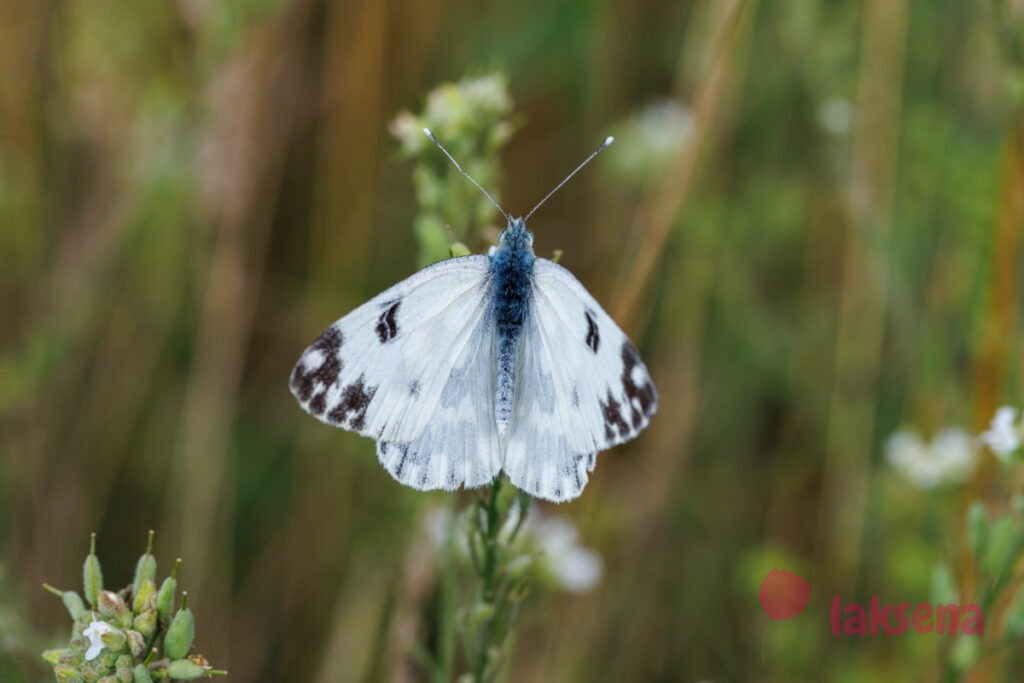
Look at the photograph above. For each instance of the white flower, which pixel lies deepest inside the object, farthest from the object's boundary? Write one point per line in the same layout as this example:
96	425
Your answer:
94	632
836	116
575	568
1002	435
948	458
650	141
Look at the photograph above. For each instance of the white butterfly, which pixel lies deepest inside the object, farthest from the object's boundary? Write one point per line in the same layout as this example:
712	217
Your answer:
480	364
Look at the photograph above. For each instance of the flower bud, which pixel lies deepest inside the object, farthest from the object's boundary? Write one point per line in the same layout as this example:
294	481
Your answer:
185	670
123	675
107	679
145	569
141	674
136	643
180	633
145	623
111	605
67	674
145	596
54	657
123	662
114	640
92	576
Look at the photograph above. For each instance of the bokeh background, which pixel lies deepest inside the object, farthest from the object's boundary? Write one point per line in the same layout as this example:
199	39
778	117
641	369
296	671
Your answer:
810	226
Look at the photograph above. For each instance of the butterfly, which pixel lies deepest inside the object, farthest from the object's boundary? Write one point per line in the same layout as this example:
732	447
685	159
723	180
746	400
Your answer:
481	364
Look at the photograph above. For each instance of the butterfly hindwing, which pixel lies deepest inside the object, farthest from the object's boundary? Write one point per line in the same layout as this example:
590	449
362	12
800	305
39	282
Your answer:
405	368
459	446
580	388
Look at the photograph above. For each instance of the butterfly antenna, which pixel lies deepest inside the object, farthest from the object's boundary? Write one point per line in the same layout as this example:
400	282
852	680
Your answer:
426	131
607	141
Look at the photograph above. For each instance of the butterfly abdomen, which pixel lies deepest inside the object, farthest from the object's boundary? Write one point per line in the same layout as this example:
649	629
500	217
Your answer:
512	268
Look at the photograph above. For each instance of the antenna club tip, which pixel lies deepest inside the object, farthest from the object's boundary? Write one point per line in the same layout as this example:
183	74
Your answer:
608	140
426	131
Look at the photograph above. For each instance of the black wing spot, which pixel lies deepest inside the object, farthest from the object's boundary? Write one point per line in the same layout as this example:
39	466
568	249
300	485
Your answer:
613	420
593	339
642	393
304	381
575	397
387	326
415	388
355	399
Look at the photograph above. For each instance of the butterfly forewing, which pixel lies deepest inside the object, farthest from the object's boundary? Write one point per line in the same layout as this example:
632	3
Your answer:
381	370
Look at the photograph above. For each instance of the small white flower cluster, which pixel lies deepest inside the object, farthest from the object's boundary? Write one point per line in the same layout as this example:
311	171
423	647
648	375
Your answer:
948	458
1004	434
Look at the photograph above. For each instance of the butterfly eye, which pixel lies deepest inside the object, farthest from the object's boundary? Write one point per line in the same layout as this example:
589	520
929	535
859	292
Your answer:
529	237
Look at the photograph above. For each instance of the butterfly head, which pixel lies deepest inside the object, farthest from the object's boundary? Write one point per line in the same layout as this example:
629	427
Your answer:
516	237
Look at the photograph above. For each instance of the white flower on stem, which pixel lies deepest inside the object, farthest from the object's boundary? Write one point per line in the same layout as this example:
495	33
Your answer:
1002	436
94	632
949	458
574	568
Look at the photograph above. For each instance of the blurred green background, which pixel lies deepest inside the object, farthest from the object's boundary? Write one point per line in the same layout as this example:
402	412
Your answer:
810	225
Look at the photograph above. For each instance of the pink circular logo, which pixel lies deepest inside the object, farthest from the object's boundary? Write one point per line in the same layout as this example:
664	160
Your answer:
783	594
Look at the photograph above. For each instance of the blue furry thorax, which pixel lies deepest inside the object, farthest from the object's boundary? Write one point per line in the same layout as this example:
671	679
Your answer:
512	266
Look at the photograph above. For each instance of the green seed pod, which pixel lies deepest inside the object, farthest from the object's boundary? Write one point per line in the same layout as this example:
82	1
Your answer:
71	600
141	674
136	643
114	640
54	657
181	632
70	659
67	674
92	575
145	623
145	596
145	569
165	597
185	670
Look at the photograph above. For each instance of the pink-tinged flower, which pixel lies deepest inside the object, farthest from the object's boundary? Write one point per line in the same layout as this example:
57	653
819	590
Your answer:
783	594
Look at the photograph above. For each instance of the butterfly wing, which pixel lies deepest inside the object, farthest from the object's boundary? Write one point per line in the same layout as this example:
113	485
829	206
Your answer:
580	388
404	369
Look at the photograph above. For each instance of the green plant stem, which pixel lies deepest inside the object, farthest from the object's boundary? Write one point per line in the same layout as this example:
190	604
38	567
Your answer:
488	580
